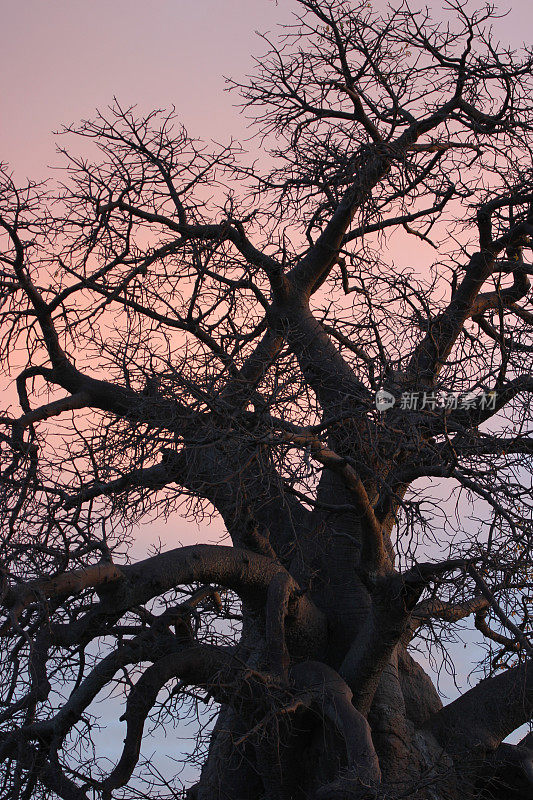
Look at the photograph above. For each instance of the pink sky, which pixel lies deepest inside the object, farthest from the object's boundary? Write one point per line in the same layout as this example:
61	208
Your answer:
62	58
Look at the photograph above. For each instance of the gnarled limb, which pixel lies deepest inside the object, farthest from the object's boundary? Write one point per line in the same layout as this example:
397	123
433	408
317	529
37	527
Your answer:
447	611
393	600
198	665
248	574
509	771
375	554
20	596
75	401
334	699
145	647
46	771
479	720
480	621
502	616
431	354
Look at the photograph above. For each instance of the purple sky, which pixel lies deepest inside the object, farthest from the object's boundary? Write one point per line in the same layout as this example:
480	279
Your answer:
62	58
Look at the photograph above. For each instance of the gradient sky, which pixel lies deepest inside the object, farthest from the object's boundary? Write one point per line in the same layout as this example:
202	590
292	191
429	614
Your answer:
60	59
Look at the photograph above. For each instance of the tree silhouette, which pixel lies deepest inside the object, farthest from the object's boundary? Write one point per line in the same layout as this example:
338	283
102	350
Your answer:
191	330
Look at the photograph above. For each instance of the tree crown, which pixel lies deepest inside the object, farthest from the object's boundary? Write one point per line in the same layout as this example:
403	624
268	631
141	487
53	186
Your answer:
191	330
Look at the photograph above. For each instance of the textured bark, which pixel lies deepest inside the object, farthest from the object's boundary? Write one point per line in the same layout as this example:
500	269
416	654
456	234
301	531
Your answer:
249	325
314	759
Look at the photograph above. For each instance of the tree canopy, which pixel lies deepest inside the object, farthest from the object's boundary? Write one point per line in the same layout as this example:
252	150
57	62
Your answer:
192	330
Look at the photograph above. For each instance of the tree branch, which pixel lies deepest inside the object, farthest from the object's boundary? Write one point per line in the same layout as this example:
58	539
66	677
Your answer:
198	665
496	607
335	702
248	574
377	556
481	718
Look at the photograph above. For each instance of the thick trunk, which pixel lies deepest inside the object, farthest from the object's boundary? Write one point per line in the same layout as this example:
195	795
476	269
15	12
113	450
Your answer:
312	753
310	759
354	723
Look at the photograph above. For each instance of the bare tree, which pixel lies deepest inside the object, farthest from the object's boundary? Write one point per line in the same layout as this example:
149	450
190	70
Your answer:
190	331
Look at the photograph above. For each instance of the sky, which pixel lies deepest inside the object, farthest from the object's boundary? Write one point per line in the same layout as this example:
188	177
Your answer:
61	59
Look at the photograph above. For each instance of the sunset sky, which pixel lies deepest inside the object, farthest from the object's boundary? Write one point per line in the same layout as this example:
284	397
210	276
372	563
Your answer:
61	59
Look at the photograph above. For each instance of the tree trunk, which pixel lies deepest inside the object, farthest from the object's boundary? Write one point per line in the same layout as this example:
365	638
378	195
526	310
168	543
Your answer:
311	761
312	753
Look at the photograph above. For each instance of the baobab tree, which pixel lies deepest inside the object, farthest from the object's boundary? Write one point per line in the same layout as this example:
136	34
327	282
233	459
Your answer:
192	330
